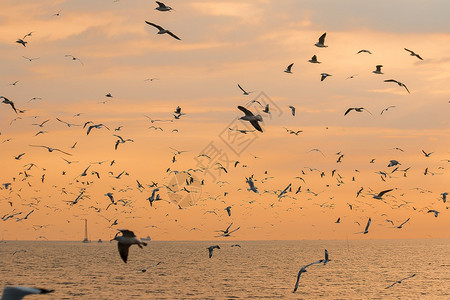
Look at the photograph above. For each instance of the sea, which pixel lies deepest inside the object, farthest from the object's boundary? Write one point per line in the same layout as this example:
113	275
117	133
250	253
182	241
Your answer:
358	269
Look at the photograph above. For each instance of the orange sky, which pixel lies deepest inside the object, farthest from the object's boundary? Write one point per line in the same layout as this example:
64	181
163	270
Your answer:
223	44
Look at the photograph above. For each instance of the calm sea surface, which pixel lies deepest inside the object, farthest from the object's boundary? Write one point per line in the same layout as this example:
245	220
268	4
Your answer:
258	270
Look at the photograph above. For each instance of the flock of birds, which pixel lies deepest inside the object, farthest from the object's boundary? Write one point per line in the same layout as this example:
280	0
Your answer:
255	185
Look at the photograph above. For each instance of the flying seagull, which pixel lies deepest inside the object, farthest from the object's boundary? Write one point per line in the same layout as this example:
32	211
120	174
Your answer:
378	69
303	270
18	292
314	60
211	248
400	281
251	118
127	239
400	226
380	194
387	108
363	51
397	82
7	101
357	109
162	30
292	109
412	53
74	58
321	41
324	75
163	7
288	69
366	230
244	91
50	149
326	260
427	154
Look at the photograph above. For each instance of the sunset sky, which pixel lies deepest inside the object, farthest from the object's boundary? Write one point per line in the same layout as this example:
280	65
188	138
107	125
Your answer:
223	44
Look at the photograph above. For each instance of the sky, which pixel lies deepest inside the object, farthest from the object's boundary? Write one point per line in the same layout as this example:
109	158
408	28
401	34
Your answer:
80	51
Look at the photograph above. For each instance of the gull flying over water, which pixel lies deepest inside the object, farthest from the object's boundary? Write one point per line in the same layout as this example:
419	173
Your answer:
18	292
400	281
162	30
397	82
211	248
249	116
303	270
127	239
366	230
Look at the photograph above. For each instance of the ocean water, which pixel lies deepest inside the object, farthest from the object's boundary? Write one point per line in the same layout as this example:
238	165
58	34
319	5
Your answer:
360	269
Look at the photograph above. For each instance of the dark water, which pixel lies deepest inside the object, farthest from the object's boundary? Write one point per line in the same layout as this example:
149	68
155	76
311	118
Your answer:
259	270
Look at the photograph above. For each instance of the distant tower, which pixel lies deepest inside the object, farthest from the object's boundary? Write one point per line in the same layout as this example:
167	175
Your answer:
86	240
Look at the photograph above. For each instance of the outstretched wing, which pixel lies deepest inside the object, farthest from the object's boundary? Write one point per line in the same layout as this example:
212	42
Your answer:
322	38
246	112
154	25
123	251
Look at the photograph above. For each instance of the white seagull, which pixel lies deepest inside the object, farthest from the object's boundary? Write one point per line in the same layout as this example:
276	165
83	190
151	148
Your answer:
18	292
162	30
397	82
127	239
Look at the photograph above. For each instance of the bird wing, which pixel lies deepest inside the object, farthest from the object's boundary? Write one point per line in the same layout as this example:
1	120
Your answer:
161	5
256	125
154	25
384	192
322	38
247	113
348	110
403	223
409	51
289	67
298	279
123	251
241	88
173	35
127	233
63	152
368	224
403	85
391	80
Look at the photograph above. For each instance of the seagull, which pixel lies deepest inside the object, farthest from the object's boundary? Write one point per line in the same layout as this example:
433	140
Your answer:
68	124
427	154
326	260
22	42
288	69
393	163
251	184
366	230
324	75
378	70
314	60
387	108
338	221
321	41
436	213
357	109
127	239
50	149
251	118
74	58
397	82
400	226
292	109
303	270
163	7
211	248
244	91
412	53
400	281
266	109
380	194
162	30
363	51
444	197
31	59
228	209
7	101
98	126
18	292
